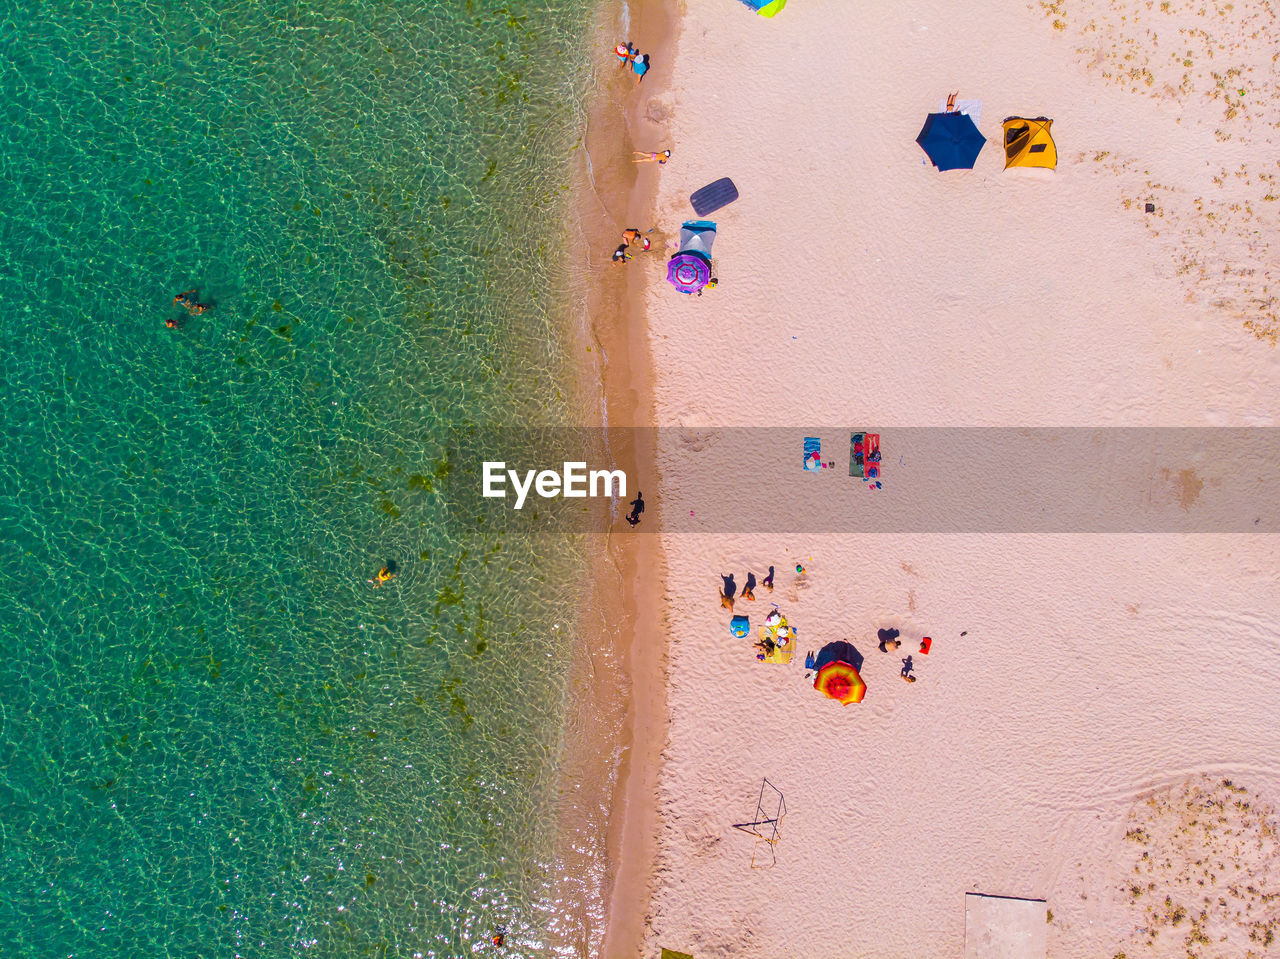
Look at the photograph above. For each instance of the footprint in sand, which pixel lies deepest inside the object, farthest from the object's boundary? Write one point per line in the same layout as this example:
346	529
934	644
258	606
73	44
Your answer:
702	834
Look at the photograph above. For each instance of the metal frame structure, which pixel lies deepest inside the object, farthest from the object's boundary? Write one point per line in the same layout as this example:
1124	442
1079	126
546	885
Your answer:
762	818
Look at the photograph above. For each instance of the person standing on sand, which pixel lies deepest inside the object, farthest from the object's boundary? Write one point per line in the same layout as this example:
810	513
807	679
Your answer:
906	670
748	591
726	594
640	64
637	507
767	582
626	53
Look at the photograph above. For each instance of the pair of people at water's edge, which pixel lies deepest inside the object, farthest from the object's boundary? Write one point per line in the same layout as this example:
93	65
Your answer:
628	54
629	236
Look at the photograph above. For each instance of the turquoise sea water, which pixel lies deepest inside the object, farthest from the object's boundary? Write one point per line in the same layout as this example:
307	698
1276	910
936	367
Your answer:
216	738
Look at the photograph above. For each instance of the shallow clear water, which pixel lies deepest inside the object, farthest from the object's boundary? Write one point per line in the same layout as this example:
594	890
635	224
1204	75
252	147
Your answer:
216	738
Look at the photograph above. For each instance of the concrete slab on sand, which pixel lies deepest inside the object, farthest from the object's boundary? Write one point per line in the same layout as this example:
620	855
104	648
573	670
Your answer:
1000	927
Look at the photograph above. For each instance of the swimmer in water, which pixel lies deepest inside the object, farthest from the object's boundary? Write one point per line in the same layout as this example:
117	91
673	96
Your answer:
188	299
385	575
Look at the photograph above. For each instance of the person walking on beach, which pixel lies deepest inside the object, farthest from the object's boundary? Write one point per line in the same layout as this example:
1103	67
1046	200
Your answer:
659	158
726	594
748	591
626	53
767	582
637	507
906	670
640	64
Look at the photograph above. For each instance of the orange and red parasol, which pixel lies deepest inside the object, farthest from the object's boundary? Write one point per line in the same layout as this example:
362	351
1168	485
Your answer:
841	682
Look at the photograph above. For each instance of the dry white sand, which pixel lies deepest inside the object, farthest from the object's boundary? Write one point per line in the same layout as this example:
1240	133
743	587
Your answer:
859	287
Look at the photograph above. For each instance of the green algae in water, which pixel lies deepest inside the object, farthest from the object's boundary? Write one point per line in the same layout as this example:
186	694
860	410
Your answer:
218	738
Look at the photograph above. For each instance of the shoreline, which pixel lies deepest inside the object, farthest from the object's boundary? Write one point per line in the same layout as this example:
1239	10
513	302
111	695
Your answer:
611	764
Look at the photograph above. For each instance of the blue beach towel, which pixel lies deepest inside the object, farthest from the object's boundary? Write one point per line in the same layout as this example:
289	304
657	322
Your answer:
812	454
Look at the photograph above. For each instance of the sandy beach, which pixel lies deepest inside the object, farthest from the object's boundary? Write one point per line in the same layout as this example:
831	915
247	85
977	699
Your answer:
1084	695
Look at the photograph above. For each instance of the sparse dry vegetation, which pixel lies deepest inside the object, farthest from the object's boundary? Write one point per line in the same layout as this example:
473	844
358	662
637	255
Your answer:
1208	881
1218	64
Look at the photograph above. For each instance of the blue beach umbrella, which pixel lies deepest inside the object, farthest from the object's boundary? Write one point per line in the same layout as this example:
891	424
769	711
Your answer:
951	141
689	272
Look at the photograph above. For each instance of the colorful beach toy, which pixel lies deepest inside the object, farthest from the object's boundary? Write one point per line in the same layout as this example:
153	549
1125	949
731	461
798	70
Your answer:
766	8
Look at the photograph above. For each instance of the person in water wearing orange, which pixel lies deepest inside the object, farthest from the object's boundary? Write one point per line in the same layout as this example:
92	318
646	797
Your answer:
662	156
385	575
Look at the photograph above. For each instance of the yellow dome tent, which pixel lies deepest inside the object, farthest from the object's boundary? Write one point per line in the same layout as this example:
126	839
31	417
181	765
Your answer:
1028	143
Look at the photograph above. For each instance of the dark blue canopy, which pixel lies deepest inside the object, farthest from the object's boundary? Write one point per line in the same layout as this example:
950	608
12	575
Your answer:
951	141
837	652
